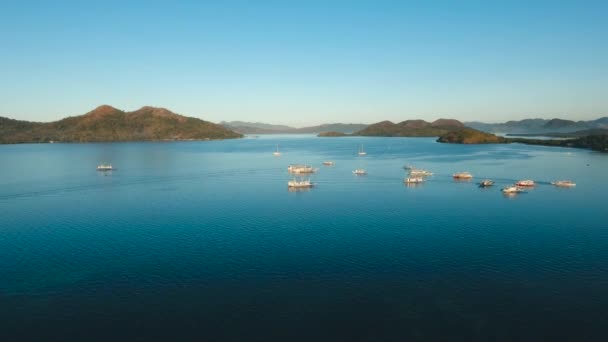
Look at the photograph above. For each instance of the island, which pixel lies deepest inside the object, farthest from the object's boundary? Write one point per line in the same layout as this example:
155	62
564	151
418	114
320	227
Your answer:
108	124
470	136
332	134
410	128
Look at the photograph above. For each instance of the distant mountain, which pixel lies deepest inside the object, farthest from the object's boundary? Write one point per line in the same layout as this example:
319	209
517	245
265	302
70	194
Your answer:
411	128
263	128
575	134
539	126
255	127
335	127
106	123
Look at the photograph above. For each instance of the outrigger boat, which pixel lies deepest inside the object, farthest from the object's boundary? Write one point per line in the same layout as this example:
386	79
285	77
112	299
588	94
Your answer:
564	183
485	183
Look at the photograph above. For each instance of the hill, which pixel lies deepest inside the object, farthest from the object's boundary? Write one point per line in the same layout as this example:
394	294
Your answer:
470	136
332	134
108	124
411	128
539	126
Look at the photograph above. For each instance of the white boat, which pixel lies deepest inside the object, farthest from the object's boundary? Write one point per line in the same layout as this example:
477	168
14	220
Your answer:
564	183
305	183
105	167
360	172
511	189
361	152
328	163
300	168
413	180
276	153
486	182
420	172
462	175
525	182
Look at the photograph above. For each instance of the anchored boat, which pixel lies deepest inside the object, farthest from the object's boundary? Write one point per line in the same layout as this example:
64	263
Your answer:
301	168
413	180
105	167
564	183
525	183
361	152
305	183
420	172
485	183
360	172
276	153
462	175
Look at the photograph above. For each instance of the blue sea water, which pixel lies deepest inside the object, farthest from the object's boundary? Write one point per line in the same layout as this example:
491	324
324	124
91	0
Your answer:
203	241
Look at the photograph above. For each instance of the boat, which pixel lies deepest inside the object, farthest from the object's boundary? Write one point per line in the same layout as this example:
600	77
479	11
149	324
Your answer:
105	167
413	180
328	163
360	172
525	183
564	183
462	175
361	152
420	172
301	168
486	182
305	183
511	189
276	153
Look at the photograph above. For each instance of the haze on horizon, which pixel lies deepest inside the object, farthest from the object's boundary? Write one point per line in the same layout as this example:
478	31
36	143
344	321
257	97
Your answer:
306	63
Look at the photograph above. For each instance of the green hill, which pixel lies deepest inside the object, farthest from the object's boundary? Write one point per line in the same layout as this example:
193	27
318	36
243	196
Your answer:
470	136
108	124
411	128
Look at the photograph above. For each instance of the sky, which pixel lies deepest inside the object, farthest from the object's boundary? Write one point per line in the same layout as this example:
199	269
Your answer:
306	62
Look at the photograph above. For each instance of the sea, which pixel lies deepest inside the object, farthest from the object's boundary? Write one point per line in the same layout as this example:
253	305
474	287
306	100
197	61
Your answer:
203	241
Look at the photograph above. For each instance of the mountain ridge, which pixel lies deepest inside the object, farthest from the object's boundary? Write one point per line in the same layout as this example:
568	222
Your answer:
108	124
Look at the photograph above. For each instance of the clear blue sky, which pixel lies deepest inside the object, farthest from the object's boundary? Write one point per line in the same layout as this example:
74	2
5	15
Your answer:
306	62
